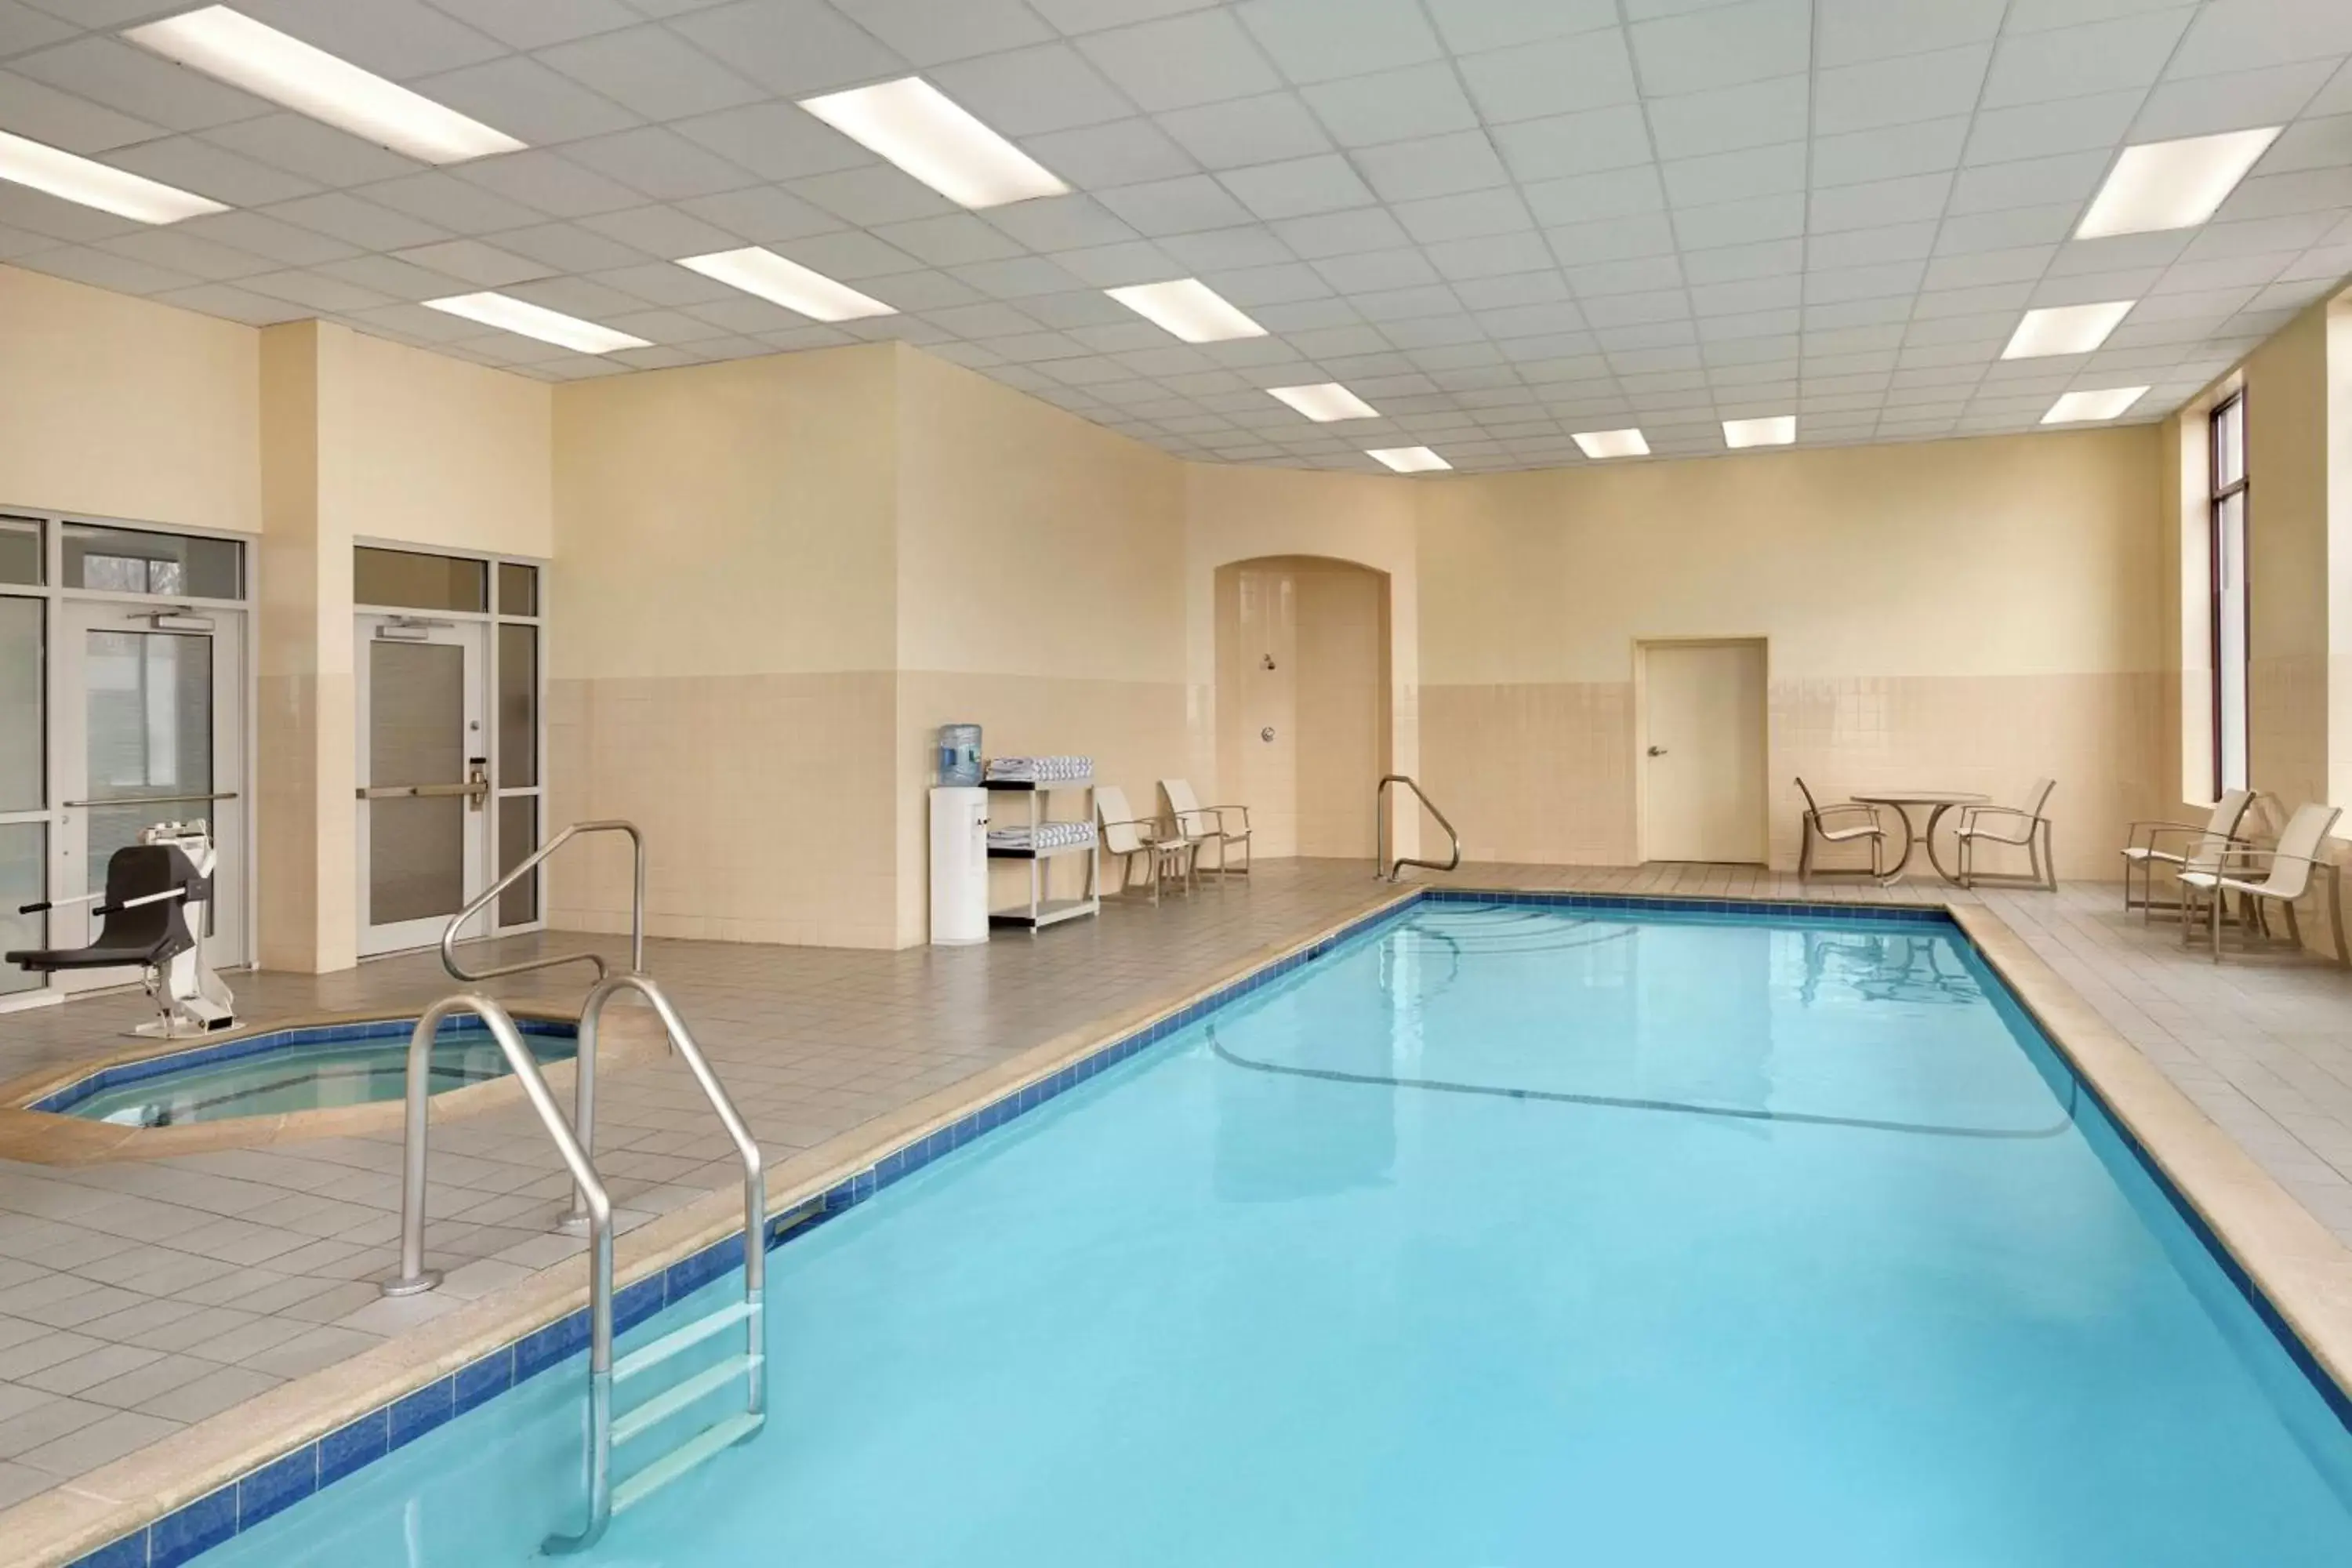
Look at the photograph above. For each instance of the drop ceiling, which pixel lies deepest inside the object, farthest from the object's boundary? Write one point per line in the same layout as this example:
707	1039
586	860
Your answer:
1499	222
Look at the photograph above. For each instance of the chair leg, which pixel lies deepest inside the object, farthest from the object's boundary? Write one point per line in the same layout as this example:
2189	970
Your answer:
2294	926
1805	851
2214	913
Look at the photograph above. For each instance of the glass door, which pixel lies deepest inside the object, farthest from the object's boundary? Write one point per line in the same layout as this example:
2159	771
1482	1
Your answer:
150	709
424	778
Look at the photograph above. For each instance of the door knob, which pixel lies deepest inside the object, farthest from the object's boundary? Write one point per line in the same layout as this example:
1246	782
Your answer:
1658	750
1266	734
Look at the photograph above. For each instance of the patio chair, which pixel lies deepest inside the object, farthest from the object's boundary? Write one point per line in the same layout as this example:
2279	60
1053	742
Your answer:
2146	848
2025	827
2290	868
1850	822
1207	824
1146	838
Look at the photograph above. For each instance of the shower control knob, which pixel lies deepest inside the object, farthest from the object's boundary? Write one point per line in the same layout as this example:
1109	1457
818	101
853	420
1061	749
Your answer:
1266	735
1658	750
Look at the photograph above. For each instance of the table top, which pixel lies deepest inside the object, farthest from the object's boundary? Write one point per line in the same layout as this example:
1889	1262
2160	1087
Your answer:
1922	797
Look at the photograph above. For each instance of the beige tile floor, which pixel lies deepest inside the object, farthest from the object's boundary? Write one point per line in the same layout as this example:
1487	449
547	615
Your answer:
138	1298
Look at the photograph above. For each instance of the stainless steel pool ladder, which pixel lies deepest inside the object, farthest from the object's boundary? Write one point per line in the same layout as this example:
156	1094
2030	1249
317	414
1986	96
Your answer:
1381	830
532	863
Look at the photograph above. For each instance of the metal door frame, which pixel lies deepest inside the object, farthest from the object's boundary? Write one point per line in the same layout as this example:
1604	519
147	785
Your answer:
466	633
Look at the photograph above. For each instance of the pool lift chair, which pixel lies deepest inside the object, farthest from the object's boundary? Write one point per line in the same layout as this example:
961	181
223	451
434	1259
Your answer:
151	917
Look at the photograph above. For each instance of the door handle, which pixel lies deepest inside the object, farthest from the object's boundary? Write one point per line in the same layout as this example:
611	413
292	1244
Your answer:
477	788
1658	750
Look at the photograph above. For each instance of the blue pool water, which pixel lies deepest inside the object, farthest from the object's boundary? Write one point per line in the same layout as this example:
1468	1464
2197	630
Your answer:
1500	1237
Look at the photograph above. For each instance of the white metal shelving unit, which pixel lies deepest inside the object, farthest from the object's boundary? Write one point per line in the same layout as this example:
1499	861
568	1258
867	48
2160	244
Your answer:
1041	911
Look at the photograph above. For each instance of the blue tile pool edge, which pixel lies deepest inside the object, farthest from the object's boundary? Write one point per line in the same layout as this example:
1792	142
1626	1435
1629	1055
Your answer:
268	1489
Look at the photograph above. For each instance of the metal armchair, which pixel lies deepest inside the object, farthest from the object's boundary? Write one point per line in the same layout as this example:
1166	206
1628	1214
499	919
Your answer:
1207	824
2279	875
1847	822
2025	827
2183	846
1150	840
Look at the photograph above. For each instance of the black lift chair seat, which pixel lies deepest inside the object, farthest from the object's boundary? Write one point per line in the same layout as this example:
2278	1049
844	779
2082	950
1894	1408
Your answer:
144	934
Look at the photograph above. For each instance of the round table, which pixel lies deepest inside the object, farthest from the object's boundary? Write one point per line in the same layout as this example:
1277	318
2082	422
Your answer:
1938	802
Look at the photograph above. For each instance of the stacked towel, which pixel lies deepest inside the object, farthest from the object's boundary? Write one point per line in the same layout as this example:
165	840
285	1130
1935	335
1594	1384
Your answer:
1044	836
1039	770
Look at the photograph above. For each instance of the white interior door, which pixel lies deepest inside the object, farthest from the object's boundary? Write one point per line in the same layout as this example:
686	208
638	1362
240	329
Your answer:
1703	751
150	729
424	778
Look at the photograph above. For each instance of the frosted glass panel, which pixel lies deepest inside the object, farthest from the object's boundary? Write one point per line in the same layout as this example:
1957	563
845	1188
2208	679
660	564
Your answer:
416	735
20	550
151	734
518	706
411	581
22	746
23	878
518	836
132	561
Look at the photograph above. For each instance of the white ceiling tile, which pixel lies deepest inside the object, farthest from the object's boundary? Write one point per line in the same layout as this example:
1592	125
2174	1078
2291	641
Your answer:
660	231
793	47
1541	320
1895	92
1835	285
1299	187
390	276
1872	246
2062	125
1564	144
1466	217
531	23
527	101
194	164
286	243
1061	222
1435	167
103	270
2101	56
775	141
2120	251
1341	233
305	147
948	239
356	222
2023	265
1125	153
1729	177
2258	236
1586	198
1731	263
65	120
1201	56
1855	31
449	203
1376	270
1493	256
1263	129
928	33
2336	98
176	250
1747	296
2005	230
2093	288
2246	35
21	27
1175	206
550	182
1032	91
403	39
1471	26
1751	114
1649	235
1016	278
1740	222
2273	195
1926	146
1598	278
316	290
919	290
1248	244
761	212
136	82
849	257
1723	46
1383	306
471	261
583	297
1590	70
232	304
2031	182
2203	105
658	161
1418	100
2224	272
2317	143
1318	40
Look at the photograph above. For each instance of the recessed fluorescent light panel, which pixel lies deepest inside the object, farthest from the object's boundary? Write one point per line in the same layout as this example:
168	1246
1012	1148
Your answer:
787	283
1188	308
2173	185
93	184
1779	430
284	70
2065	329
931	137
512	315
1612	443
1409	460
1325	400
2080	407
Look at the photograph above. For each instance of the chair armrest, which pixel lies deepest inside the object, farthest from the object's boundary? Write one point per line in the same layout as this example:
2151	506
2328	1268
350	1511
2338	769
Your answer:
1221	811
1969	813
1156	827
1822	814
2156	828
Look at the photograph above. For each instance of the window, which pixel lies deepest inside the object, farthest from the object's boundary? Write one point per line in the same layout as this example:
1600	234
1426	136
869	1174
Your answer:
2227	573
410	580
168	565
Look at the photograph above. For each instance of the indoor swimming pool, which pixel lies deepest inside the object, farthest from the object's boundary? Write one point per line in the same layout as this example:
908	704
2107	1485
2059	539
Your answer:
310	1068
1501	1235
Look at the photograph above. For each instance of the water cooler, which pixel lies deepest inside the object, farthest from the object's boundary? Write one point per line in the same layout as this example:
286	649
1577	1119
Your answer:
958	841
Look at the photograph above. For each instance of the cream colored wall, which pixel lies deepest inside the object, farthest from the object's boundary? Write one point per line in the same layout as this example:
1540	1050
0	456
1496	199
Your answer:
1961	615
119	407
1040	595
443	453
721	646
1236	514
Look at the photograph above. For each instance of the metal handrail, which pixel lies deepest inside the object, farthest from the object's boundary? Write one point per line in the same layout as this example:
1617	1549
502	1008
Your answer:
1380	845
755	1252
530	864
